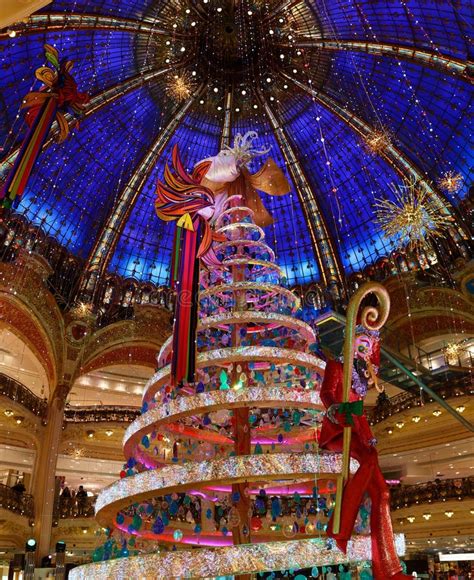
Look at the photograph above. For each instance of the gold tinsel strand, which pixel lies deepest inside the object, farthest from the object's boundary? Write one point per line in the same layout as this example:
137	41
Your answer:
410	219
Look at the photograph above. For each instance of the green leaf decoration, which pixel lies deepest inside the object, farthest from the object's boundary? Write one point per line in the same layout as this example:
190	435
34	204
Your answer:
52	59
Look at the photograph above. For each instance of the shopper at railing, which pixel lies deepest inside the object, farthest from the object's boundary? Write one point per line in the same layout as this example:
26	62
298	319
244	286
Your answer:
13	499
19	487
81	501
437	490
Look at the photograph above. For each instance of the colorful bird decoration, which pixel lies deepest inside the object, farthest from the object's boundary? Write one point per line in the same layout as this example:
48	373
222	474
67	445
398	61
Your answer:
58	95
181	198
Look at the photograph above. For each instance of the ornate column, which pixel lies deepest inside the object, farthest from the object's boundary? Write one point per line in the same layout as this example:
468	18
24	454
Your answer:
45	471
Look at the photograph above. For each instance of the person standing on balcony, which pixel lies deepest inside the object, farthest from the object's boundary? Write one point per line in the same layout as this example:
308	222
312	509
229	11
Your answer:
19	487
81	501
66	501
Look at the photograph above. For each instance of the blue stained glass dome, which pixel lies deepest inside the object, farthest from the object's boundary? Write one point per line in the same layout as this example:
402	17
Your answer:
316	79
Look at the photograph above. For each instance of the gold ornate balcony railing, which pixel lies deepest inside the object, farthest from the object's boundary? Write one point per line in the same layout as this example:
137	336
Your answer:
14	501
432	491
73	507
406	401
17	392
102	414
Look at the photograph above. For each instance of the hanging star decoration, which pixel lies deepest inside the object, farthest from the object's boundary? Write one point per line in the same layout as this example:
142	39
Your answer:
180	86
378	141
451	182
452	352
411	219
81	310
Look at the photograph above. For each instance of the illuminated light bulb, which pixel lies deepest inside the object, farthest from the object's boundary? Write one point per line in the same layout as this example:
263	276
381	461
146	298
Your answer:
219	9
238	385
109	433
19	420
243	92
416	419
215	89
90	434
269	80
389	430
461	409
437	413
411	519
449	513
8	412
427	516
12	33
400	424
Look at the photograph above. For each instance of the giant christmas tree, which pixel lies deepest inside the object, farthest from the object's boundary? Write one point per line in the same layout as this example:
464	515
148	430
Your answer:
224	475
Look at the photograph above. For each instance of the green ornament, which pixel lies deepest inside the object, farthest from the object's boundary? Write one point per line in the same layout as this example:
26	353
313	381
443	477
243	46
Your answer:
223	379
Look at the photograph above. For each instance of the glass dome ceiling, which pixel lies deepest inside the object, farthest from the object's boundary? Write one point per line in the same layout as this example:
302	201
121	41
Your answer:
317	79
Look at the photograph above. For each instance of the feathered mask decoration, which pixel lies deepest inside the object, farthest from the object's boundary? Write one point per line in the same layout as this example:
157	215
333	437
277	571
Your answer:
227	172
